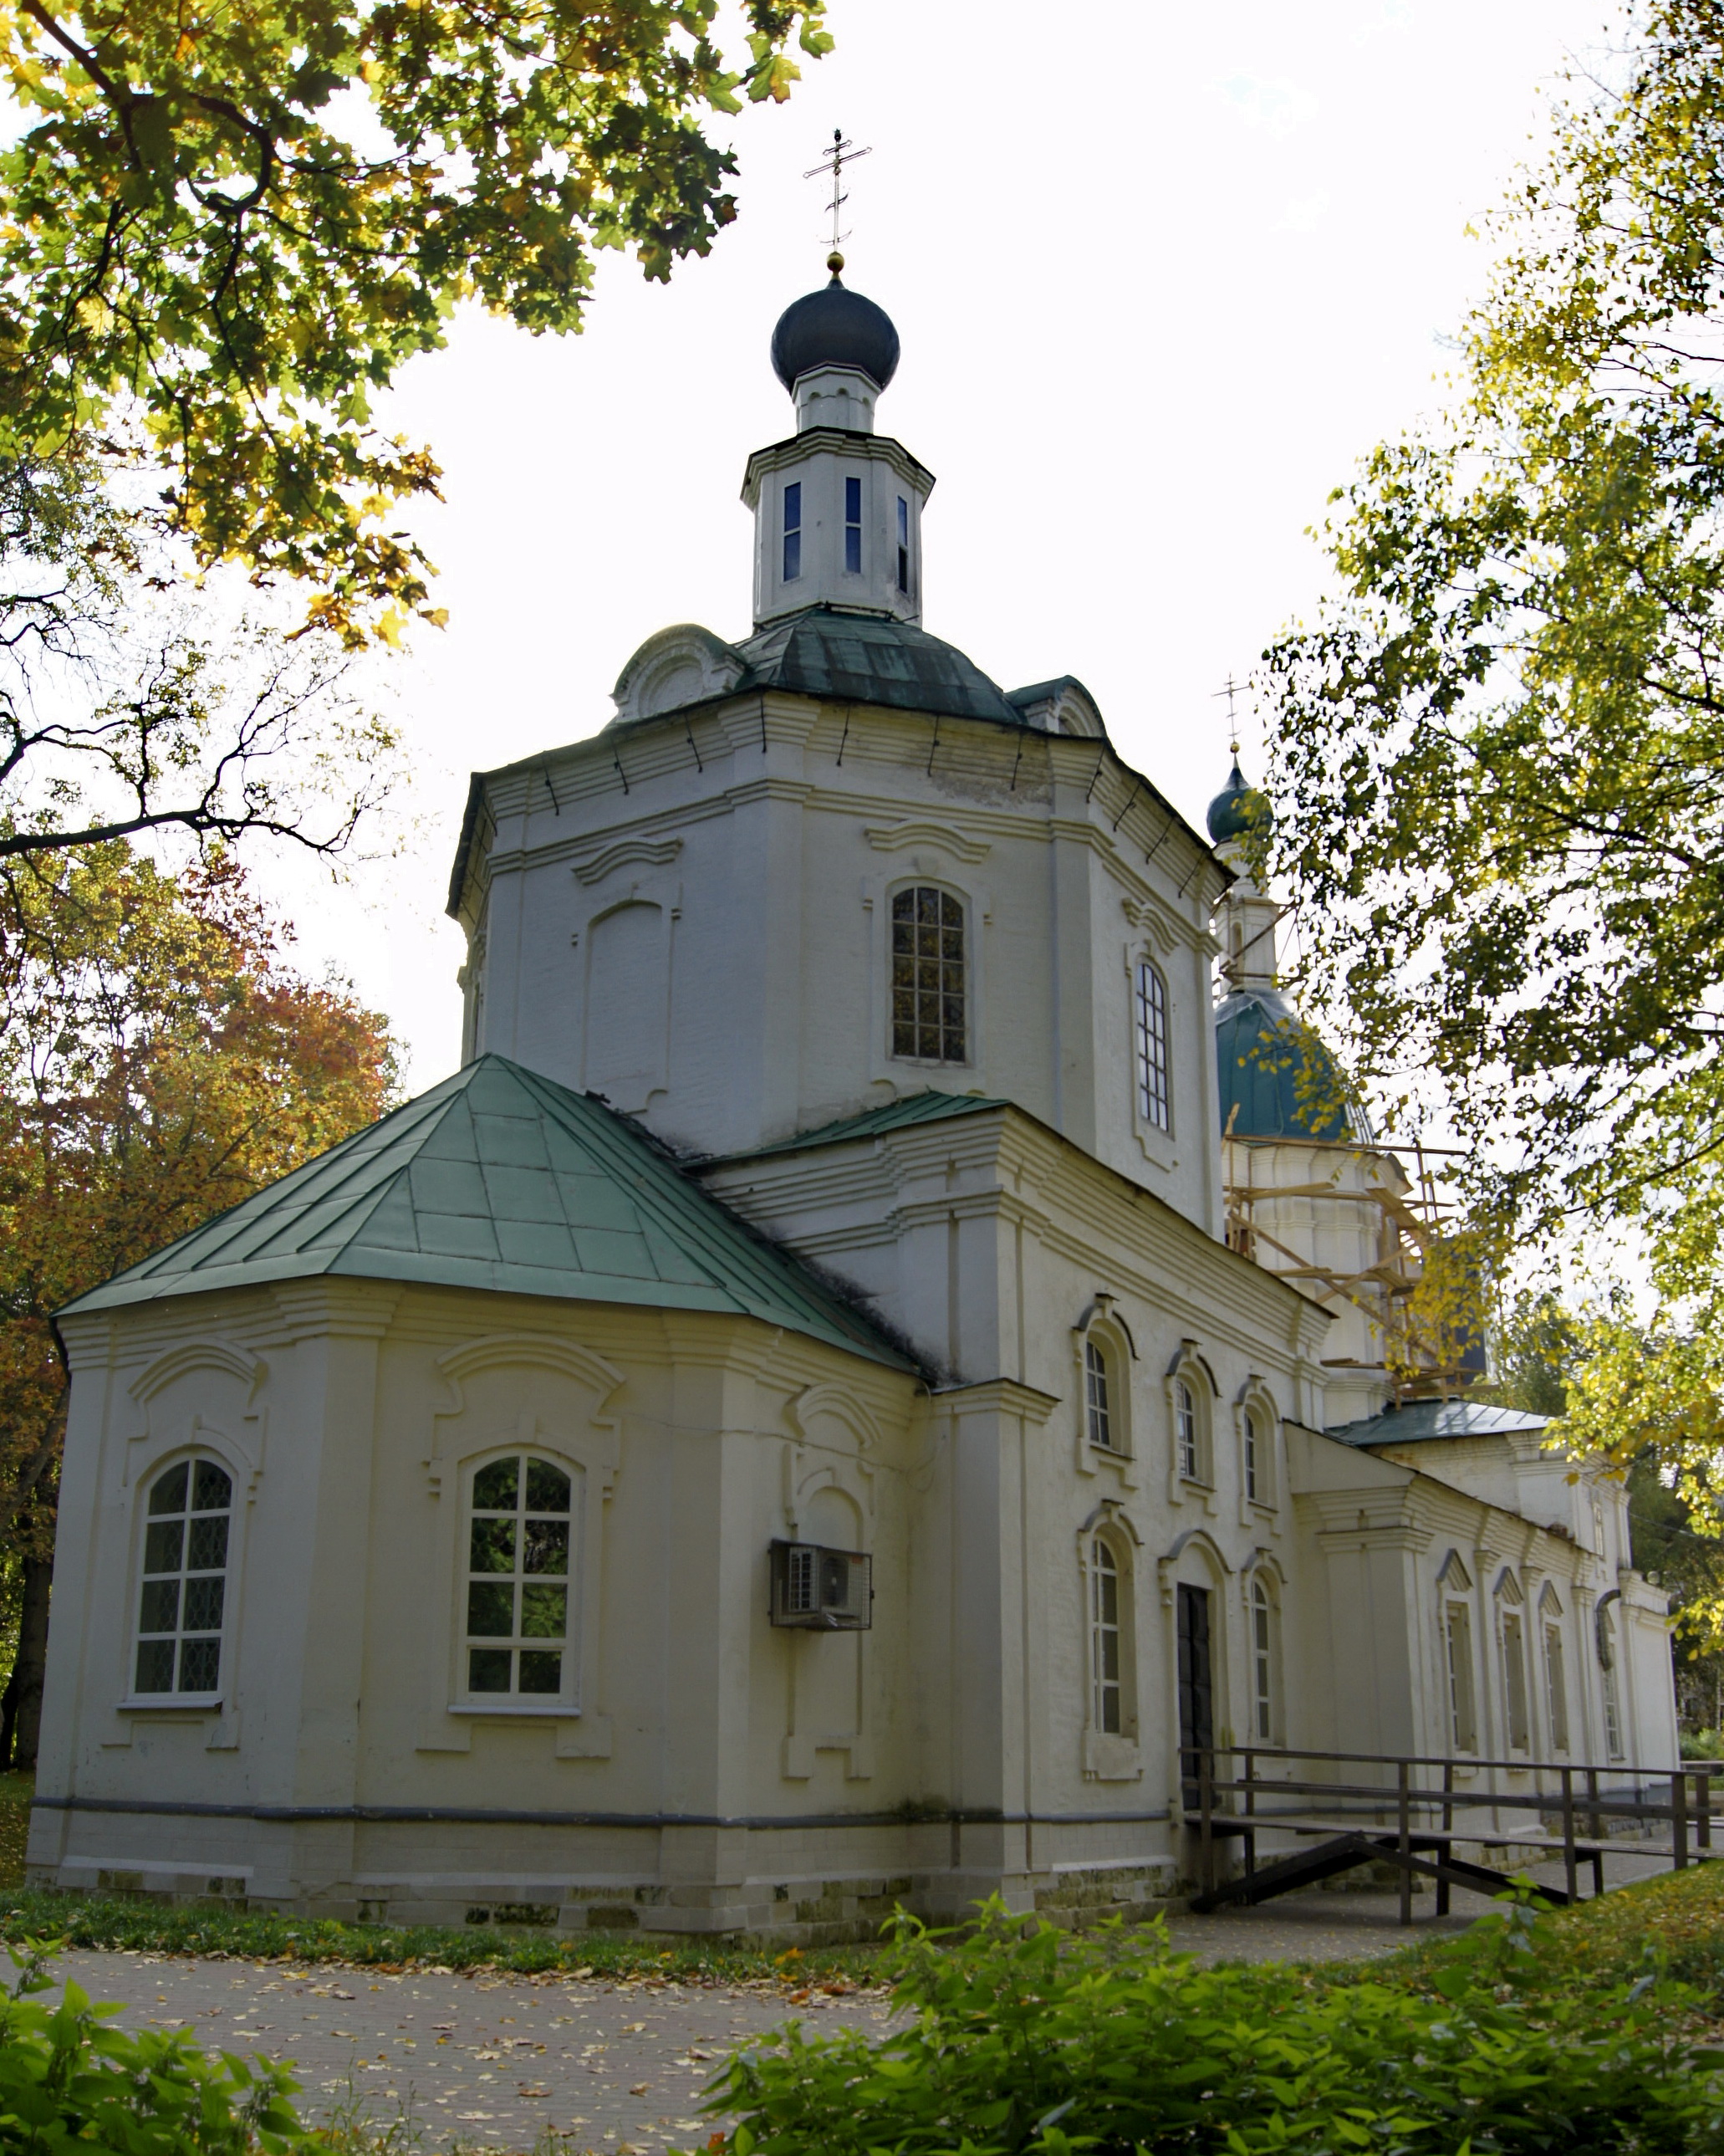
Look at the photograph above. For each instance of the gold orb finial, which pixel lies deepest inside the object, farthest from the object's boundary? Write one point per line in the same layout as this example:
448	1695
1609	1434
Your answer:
834	262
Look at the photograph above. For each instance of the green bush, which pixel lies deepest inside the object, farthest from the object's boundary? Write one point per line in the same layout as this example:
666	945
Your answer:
1032	2040
67	2081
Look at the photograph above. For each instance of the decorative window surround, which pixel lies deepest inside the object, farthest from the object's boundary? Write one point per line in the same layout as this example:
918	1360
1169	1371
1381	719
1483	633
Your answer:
1191	1402
1101	1336
1107	1567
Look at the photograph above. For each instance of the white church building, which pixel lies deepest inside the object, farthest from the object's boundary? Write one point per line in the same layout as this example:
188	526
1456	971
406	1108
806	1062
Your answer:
863	1360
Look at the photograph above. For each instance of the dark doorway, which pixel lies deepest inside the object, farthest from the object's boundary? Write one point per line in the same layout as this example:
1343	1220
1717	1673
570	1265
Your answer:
1197	1690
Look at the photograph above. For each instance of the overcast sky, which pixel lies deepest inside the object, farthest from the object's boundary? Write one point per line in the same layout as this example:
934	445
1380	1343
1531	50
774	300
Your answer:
1161	275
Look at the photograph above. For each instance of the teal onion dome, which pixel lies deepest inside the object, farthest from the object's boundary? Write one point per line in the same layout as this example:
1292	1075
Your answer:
1276	1078
1237	809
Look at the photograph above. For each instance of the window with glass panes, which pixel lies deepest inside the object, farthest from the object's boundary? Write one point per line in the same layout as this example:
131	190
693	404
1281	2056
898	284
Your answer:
852	526
518	1577
793	532
1185	1429
1099	1422
1150	1029
1104	1638
928	1000
903	545
181	1608
1263	1660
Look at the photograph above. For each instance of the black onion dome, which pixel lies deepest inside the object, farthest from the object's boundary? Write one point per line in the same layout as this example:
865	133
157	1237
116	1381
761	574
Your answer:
1237	809
834	328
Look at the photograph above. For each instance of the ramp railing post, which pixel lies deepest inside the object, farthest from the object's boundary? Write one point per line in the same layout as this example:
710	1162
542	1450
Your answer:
1598	1830
1250	1812
1206	1802
1405	1842
1703	1793
1568	1834
1679	1820
1448	1847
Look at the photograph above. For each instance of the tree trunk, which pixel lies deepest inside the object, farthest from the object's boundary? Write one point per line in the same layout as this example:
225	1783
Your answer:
21	1702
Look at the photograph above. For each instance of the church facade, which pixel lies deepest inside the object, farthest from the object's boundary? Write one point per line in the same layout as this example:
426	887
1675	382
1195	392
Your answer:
804	1418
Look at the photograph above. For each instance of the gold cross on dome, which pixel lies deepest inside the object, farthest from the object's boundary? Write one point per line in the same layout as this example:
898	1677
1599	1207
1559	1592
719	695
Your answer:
841	153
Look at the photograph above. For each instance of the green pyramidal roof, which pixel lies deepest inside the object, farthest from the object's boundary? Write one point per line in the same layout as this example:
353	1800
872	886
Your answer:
499	1179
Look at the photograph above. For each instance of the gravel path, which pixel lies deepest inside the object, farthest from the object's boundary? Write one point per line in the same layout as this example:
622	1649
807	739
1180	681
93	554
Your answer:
490	2060
501	2062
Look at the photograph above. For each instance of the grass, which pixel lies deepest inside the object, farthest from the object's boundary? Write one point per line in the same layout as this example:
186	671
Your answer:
1673	1925
16	1791
153	1927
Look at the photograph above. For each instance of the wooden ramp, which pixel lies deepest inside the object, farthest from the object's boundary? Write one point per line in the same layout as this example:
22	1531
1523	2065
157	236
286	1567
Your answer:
1346	1852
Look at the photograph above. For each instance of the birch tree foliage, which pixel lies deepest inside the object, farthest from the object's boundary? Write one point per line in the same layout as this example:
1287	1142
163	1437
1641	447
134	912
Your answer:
1503	742
239	220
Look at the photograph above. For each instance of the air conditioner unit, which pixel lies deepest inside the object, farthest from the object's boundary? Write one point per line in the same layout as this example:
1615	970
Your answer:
818	1589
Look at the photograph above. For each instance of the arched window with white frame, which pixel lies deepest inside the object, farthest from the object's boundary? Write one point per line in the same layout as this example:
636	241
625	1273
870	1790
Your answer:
1149	1033
1106	1661
1191	1411
1103	1347
183	1603
1454	1590
1606	1661
930	1017
1556	1676
1098	1421
518	1614
1111	1715
1256	1422
1265	1659
1512	1632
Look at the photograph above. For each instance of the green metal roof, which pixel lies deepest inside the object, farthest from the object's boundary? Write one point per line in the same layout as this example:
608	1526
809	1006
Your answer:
499	1178
927	1107
1277	1080
1420	1421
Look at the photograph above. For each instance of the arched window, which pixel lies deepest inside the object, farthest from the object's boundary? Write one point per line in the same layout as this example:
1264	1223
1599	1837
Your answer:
1458	1651
1253	1474
1186	1445
1150	1033
1612	1697
930	1018
1097	1419
517	1614
1556	1684
1263	1680
1106	1710
1517	1720
183	1602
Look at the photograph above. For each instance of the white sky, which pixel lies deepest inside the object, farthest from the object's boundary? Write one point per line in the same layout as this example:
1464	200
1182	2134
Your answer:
1160	280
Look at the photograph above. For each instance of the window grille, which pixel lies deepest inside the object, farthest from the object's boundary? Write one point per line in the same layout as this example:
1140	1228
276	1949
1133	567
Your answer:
852	526
1458	1638
184	1594
1095	1396
1251	1458
517	1577
903	544
928	989
1185	1429
1151	1039
793	532
1104	1637
818	1589
1556	1686
1262	1671
1514	1682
